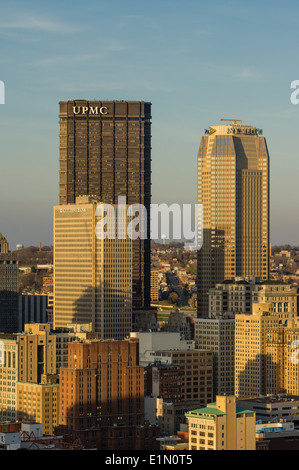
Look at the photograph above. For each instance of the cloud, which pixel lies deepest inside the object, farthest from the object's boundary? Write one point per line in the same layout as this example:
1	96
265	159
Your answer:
248	74
35	23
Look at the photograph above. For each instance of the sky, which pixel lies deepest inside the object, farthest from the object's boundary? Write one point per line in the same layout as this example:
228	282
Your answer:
195	61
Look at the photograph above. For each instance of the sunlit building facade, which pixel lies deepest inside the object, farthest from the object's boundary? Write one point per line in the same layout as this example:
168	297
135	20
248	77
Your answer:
233	188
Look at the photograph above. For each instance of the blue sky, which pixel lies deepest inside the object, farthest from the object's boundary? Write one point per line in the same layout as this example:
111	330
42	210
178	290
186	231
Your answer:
196	61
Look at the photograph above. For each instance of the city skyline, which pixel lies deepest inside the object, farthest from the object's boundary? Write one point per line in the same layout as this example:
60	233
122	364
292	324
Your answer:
55	54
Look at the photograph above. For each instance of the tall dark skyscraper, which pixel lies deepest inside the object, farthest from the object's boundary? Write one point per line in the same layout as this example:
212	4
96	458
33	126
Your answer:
9	288
105	151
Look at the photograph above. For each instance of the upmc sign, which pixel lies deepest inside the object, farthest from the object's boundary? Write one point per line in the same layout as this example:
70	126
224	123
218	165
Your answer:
90	110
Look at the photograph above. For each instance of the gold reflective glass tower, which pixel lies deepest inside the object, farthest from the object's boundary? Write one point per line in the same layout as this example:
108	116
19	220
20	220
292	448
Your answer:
233	187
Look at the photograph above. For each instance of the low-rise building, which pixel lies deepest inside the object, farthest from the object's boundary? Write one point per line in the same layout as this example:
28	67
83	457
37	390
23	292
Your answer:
222	426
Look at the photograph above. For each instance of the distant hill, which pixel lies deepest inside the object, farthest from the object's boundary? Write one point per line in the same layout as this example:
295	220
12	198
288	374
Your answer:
31	256
166	246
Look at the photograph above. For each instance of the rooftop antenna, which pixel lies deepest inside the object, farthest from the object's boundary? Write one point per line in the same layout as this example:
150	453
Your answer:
235	120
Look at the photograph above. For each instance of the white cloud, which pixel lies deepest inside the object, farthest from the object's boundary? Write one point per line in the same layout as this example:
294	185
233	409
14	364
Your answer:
35	23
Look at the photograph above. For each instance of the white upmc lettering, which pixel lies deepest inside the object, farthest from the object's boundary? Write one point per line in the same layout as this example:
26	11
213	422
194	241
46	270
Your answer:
91	110
104	110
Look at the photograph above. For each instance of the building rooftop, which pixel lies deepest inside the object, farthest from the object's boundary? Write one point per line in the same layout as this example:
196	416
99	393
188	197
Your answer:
272	399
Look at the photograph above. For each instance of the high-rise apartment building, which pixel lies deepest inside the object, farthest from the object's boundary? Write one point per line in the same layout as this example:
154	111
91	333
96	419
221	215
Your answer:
105	151
93	274
233	188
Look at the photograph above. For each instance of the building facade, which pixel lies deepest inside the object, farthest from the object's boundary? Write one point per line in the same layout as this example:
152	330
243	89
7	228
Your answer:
105	151
218	335
32	309
237	296
256	372
102	396
93	274
233	188
9	289
222	426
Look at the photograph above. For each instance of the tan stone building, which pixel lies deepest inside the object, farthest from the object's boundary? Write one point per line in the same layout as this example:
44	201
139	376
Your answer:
36	353
222	426
38	403
3	244
233	187
92	274
255	371
25	360
237	296
8	376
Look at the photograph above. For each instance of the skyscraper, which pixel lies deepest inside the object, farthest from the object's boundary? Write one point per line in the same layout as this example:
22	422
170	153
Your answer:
105	151
92	276
233	188
9	288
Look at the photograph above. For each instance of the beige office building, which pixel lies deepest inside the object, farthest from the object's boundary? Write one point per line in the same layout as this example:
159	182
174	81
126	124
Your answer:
8	376
92	274
38	403
221	426
237	296
255	371
233	188
282	346
24	359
